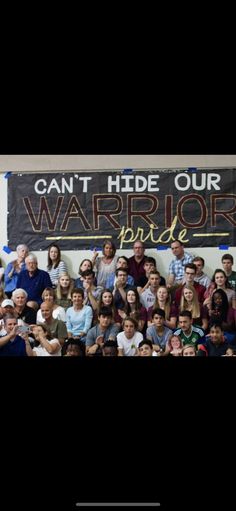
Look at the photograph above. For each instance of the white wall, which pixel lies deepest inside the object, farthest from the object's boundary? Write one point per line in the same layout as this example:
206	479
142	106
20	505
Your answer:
50	163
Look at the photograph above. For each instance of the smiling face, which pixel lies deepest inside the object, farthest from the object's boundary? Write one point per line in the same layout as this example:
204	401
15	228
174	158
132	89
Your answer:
53	254
220	279
64	281
85	265
107	298
188	295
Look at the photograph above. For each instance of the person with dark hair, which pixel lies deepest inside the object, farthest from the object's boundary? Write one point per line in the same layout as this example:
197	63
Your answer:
129	339
227	263
121	288
189	333
92	292
12	344
46	344
221	312
122	263
143	281
201	277
145	349
55	265
106	264
189	278
215	344
78	317
136	262
73	348
86	264
134	309
158	333
177	265
110	349
97	335
220	281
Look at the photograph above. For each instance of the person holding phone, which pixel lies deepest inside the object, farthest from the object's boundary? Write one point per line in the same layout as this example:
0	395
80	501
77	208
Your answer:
12	344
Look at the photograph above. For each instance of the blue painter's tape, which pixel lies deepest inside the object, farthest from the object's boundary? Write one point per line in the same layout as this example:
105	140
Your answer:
192	169
127	171
7	175
98	249
223	247
162	247
7	249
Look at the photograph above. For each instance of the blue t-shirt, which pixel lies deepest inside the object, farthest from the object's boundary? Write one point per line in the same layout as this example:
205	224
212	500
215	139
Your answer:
14	348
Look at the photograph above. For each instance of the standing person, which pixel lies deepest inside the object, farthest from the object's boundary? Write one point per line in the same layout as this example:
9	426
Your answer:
33	281
1	273
136	262
56	265
14	268
227	263
105	265
177	265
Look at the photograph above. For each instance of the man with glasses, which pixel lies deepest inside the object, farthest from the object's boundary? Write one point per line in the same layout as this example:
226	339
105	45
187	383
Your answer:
189	276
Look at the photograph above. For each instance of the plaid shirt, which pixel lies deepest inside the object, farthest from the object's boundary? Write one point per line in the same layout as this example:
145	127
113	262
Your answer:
177	266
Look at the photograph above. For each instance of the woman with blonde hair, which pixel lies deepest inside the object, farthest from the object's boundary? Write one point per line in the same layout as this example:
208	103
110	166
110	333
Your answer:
63	290
189	301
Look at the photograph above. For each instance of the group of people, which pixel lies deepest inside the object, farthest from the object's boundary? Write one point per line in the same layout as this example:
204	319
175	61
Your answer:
117	306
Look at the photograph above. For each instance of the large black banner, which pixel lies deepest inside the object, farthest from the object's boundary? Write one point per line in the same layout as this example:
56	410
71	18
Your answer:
82	209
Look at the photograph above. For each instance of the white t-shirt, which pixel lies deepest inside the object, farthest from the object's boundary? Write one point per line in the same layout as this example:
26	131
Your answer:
129	345
58	313
42	352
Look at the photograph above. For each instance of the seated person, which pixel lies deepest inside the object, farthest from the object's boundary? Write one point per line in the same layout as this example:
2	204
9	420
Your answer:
110	349
104	331
149	265
189	333
215	344
145	349
73	348
158	333
122	262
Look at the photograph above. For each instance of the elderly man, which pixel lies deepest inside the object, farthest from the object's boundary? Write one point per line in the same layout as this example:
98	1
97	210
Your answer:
136	262
22	311
33	281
